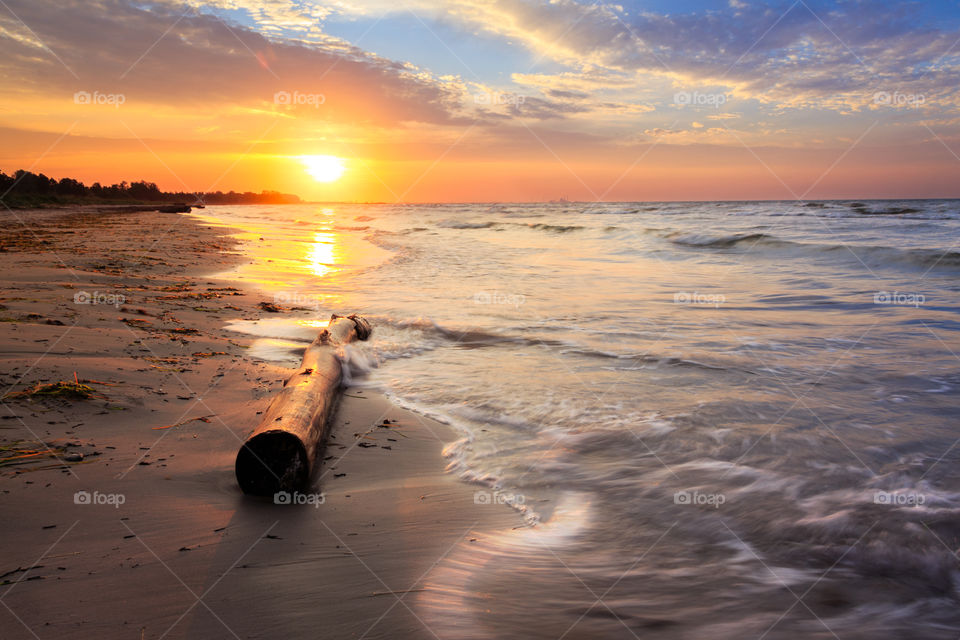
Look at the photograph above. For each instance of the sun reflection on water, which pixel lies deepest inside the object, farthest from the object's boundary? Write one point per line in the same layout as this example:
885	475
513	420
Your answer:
303	255
324	255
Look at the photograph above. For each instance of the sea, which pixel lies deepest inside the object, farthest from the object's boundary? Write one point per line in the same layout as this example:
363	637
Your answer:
714	419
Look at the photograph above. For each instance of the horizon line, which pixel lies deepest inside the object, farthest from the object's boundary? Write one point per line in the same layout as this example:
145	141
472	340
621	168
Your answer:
504	202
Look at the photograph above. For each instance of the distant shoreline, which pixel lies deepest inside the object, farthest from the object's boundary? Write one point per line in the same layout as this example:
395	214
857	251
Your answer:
28	190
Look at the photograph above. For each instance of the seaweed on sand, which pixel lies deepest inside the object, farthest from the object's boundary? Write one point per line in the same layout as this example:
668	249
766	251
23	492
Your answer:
68	390
23	452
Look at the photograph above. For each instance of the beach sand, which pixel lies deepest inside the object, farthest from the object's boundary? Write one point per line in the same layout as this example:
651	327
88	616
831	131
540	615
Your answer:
167	546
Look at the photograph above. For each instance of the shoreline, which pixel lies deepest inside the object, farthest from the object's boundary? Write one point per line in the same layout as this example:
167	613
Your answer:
167	532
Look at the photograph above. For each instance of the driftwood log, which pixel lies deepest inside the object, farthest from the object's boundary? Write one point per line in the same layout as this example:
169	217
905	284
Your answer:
280	453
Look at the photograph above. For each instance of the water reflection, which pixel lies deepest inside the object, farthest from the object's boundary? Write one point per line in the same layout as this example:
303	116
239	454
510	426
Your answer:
324	254
304	262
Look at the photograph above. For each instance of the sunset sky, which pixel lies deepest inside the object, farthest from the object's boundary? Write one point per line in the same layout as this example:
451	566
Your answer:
488	100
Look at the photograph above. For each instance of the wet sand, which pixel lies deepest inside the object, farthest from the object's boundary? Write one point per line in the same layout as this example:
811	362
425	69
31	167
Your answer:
148	536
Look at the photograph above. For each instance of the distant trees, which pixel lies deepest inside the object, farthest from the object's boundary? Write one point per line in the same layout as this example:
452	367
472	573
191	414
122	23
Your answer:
25	187
28	183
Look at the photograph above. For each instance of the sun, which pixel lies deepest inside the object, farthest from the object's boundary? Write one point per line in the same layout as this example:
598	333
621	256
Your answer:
323	168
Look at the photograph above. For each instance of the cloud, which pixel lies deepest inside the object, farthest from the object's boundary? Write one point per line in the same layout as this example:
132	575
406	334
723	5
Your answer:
570	95
584	80
786	52
541	109
170	54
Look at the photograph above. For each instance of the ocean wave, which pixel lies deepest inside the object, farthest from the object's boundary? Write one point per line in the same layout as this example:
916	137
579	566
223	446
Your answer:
476	338
555	228
896	210
646	358
540	226
884	256
723	242
356	362
467	336
461	224
870	254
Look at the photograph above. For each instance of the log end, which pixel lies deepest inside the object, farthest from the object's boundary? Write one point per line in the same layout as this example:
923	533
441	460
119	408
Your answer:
272	461
363	326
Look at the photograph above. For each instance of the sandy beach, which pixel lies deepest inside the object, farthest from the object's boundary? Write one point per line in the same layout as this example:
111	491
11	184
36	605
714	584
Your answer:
122	517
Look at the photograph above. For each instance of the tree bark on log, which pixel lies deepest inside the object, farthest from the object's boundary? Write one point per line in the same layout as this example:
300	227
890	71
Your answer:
279	454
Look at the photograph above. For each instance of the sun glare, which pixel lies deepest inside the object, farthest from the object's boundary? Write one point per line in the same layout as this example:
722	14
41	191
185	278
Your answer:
323	168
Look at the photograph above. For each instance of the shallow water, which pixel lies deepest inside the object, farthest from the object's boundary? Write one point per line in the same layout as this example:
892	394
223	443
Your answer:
734	419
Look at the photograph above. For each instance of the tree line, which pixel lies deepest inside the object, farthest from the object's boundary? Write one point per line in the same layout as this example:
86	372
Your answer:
27	188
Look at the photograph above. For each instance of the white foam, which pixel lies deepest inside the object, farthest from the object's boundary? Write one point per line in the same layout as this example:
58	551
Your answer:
305	329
